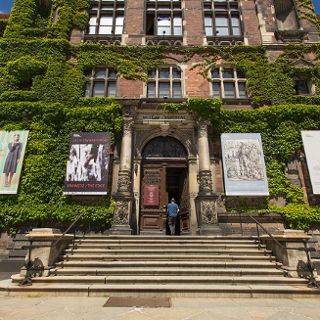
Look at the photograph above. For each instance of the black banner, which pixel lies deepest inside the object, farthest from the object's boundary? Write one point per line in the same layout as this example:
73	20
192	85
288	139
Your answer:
88	163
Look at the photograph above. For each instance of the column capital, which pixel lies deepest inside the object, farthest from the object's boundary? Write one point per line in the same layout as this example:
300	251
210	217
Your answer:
203	128
127	125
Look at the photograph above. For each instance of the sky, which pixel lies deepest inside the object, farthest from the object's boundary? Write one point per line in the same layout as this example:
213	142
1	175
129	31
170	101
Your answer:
5	5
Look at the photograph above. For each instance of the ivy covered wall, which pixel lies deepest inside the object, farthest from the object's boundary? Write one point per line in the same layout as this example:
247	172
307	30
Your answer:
42	88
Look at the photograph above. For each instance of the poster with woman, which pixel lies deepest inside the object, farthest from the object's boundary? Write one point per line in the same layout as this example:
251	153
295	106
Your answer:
88	164
12	149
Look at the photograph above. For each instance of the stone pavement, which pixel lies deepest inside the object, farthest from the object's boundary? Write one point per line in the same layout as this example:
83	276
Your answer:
79	308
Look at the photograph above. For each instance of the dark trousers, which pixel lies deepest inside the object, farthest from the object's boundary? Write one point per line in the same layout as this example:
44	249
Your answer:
172	224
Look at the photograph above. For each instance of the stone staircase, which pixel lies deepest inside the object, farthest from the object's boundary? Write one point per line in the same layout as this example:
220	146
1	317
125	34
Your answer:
200	266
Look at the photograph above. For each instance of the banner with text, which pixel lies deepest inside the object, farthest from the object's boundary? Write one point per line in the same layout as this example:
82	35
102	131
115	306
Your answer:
243	165
311	144
12	149
88	164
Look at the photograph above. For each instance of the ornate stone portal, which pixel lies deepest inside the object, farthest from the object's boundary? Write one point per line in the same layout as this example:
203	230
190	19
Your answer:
151	134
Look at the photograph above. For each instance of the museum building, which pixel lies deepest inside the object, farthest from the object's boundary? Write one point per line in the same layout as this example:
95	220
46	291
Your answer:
177	154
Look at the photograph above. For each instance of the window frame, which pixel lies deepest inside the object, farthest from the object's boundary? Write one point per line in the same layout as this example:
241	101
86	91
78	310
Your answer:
235	79
231	10
171	80
173	10
92	80
109	8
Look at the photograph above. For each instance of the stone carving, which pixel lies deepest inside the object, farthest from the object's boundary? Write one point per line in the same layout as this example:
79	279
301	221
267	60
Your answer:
208	214
202	129
121	213
124	182
167	147
205	182
127	126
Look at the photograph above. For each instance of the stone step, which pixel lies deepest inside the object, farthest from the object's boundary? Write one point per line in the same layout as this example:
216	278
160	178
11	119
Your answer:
155	237
139	246
165	257
170	264
167	271
157	251
169	290
165	279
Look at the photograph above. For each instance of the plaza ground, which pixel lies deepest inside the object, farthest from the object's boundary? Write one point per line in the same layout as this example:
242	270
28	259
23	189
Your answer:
79	308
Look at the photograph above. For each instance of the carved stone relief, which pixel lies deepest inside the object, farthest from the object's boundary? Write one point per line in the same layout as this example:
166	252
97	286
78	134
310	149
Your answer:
208	215
205	182
121	213
124	182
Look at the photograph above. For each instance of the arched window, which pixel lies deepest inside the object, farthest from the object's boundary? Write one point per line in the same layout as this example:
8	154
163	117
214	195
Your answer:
101	82
286	15
164	82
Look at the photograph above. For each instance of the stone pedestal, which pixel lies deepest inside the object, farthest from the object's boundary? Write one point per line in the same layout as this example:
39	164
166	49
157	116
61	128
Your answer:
45	249
294	261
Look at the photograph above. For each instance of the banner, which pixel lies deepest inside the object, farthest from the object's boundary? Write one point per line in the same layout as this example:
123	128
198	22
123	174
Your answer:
311	143
12	149
243	165
88	164
151	195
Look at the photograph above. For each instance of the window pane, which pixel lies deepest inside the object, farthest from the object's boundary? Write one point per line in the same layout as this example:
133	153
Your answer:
164	73
229	90
92	25
152	73
176	73
301	87
112	74
105	30
87	90
242	90
227	73
215	73
164	20
151	90
100	73
164	31
111	90
240	73
221	21
236	31
164	89
216	90
222	31
208	21
106	21
176	88
209	31
177	31
98	89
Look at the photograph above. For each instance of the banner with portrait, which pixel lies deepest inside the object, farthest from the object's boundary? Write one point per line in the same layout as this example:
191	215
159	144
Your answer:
88	164
311	144
243	165
12	150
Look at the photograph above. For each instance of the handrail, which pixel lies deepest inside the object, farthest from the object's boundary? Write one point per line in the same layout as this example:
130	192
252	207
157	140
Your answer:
312	278
27	280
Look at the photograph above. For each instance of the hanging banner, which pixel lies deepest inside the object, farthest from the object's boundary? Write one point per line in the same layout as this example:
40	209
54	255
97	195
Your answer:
243	165
12	149
88	164
311	144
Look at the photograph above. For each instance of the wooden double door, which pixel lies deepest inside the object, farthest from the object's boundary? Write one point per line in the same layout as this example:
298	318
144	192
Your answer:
161	181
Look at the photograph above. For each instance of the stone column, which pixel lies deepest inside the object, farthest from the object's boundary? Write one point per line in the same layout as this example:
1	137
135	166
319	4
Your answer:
123	196
206	200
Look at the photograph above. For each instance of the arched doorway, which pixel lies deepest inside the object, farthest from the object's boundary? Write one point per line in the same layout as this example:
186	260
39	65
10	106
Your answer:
164	175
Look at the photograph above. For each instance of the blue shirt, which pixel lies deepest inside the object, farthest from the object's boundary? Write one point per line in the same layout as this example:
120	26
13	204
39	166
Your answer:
172	209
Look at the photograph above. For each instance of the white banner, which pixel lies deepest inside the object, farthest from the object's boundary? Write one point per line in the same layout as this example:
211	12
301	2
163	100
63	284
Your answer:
243	165
311	143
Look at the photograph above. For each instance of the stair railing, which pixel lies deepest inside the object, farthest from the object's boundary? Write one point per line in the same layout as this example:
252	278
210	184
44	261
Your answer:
310	266
34	268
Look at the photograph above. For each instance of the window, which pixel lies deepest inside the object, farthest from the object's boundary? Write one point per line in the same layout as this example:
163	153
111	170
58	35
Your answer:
101	82
228	83
106	17
164	83
302	87
222	18
164	18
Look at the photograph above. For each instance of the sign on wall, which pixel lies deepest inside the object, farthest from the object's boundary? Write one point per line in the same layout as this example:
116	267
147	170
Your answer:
12	149
88	164
311	143
151	195
243	165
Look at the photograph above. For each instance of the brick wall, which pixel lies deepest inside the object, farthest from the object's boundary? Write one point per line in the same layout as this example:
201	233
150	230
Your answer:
134	21
129	88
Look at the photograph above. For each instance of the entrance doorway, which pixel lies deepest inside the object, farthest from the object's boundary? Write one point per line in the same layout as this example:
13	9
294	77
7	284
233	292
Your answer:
164	175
